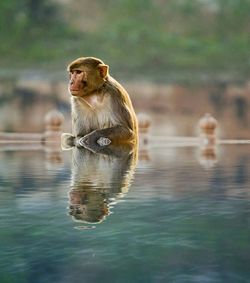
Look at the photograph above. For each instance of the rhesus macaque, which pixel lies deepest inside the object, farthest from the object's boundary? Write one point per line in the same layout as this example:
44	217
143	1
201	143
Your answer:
98	180
102	112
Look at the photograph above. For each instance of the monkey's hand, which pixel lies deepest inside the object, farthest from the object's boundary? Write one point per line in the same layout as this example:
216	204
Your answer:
94	141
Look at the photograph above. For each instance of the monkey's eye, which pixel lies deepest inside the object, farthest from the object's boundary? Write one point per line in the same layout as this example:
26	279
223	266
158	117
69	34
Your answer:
78	72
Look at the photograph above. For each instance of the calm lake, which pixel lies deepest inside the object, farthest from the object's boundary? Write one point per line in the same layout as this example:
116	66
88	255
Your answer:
175	215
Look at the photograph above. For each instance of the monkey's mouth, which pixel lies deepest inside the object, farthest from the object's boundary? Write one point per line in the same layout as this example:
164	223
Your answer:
74	91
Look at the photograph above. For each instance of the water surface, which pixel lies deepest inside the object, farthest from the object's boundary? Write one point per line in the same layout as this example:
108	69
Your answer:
181	215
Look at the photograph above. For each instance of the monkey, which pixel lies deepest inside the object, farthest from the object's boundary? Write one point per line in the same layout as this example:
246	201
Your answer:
98	180
102	111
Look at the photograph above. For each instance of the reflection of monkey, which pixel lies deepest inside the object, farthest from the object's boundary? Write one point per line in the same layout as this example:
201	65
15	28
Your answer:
102	112
98	179
87	206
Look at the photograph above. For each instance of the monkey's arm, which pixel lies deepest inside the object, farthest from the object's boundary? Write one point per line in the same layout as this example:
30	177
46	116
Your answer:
126	128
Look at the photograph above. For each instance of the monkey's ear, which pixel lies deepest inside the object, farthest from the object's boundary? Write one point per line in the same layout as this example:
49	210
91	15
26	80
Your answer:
104	70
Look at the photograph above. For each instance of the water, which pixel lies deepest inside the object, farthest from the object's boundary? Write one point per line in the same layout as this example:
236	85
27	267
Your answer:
181	215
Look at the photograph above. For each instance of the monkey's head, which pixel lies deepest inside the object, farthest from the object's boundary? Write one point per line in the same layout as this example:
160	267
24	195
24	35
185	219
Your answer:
86	75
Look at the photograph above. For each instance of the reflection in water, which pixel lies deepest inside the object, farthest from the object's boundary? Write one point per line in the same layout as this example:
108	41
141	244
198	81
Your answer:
98	180
208	156
178	223
53	156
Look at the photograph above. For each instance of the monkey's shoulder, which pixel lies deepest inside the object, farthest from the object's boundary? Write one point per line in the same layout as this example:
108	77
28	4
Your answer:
115	89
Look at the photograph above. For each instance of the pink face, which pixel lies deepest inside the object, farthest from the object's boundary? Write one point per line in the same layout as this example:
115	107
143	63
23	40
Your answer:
77	82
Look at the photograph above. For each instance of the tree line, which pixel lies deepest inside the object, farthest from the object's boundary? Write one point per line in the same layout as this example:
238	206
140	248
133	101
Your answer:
148	35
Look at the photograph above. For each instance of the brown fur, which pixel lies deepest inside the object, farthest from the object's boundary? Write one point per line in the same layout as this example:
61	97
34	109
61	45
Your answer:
98	179
101	107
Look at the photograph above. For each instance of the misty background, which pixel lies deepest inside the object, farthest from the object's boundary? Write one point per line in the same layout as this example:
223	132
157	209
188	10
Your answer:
178	59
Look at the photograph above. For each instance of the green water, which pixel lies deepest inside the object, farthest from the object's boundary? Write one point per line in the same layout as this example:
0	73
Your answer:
179	216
